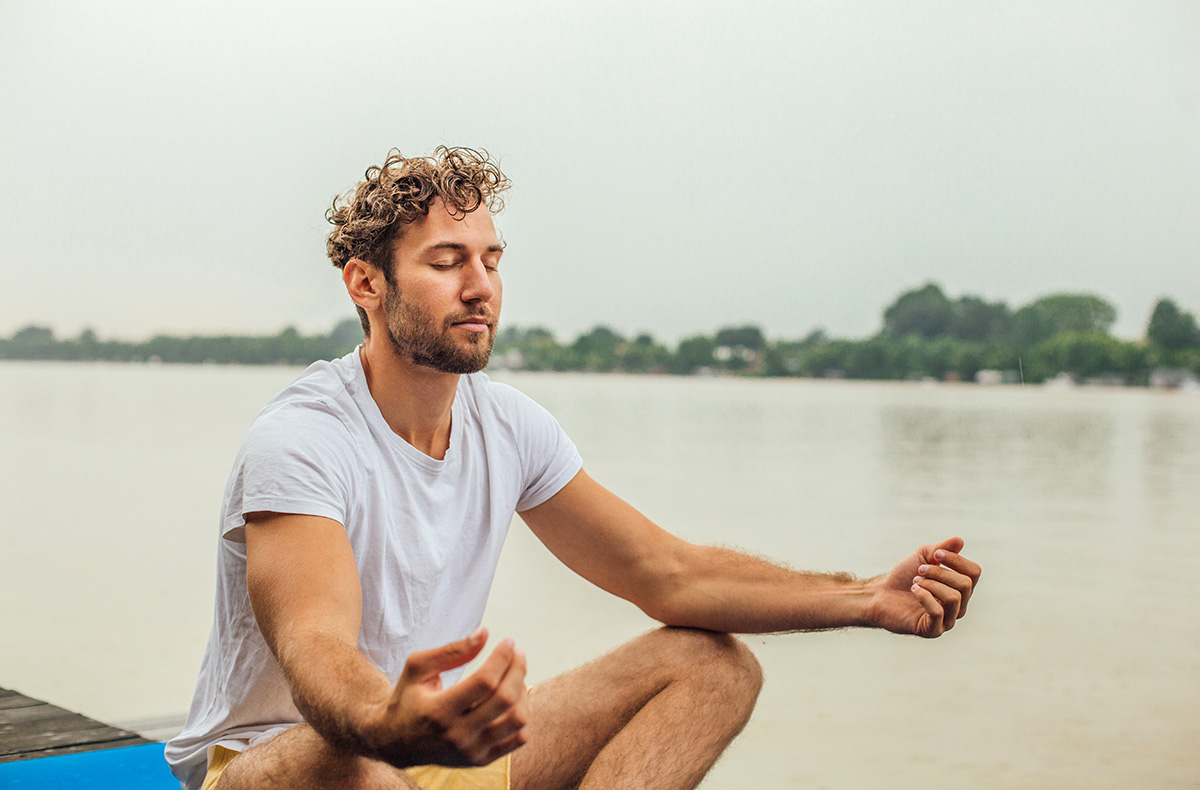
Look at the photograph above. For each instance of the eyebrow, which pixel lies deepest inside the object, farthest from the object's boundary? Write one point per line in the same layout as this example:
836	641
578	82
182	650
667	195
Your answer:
458	247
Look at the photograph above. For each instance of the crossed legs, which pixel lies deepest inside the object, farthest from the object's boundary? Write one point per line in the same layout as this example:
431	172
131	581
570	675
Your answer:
656	712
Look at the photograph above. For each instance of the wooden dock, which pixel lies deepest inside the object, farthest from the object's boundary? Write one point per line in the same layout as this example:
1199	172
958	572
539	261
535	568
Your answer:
30	728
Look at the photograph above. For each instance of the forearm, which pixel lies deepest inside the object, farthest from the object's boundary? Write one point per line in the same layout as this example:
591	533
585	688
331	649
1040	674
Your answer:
303	585
612	545
337	690
723	590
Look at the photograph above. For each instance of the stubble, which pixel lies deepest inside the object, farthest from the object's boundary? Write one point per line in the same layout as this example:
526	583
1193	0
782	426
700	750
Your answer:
413	334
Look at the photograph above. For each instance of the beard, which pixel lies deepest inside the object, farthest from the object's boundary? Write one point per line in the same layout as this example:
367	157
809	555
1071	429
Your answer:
413	334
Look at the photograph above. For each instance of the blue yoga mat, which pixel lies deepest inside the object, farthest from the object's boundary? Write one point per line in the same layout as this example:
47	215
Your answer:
128	768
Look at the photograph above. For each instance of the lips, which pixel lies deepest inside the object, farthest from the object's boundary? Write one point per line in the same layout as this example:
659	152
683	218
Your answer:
479	323
486	320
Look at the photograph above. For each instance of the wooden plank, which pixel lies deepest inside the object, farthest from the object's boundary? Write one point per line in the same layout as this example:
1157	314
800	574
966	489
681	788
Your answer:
39	741
54	723
11	699
30	728
77	748
33	716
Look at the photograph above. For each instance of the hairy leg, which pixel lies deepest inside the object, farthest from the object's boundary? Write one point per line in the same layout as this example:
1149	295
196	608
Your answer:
300	759
656	712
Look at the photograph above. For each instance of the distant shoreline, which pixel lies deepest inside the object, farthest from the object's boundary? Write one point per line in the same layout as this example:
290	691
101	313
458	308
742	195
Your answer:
926	335
1166	379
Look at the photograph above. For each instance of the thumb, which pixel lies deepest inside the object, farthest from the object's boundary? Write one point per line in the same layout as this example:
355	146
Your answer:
425	664
954	545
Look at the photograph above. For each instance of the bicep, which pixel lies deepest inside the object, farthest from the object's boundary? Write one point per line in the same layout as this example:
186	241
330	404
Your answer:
302	580
610	543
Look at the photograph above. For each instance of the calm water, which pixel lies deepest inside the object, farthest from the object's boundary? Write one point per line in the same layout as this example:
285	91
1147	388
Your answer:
1079	665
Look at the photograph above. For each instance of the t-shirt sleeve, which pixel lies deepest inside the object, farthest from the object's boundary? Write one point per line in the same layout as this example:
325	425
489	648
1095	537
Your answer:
549	457
292	461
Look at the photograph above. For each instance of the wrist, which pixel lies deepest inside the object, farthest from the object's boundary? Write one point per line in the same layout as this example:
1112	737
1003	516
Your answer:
871	588
394	731
858	603
840	602
370	722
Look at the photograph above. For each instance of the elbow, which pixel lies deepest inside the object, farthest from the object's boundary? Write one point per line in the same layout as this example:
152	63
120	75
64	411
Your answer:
688	590
664	592
658	610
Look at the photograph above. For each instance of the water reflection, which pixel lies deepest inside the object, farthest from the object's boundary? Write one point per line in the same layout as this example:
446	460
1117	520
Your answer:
1169	452
991	449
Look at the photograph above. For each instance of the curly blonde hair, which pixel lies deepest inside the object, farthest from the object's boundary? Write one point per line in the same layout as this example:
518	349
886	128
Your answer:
370	218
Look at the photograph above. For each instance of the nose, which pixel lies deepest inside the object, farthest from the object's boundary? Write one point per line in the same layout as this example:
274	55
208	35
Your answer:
477	282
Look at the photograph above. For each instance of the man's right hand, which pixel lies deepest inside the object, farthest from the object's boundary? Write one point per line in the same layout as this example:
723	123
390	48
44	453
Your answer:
475	721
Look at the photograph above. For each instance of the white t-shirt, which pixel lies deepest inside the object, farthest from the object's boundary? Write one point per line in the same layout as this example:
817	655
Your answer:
426	534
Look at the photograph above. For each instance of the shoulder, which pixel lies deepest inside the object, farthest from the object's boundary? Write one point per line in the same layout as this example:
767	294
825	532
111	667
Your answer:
547	457
321	382
315	408
496	401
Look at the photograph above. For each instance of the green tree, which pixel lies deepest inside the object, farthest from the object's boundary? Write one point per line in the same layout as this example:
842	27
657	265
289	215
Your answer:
748	337
1086	355
789	357
644	355
977	320
1052	315
925	311
824	360
692	354
32	342
536	346
598	350
543	352
345	336
739	347
1172	329
870	359
290	347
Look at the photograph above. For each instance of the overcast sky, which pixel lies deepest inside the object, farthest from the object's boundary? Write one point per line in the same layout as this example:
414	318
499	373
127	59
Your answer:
677	166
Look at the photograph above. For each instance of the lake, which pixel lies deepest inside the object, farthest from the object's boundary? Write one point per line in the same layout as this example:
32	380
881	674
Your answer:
1078	665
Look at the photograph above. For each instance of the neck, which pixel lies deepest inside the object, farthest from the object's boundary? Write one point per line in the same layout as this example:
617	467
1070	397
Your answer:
415	400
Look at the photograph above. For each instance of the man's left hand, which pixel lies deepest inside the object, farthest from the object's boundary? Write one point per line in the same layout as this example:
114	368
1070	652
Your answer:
927	593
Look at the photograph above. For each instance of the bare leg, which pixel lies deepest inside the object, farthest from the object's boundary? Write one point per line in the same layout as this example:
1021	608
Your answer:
656	712
300	759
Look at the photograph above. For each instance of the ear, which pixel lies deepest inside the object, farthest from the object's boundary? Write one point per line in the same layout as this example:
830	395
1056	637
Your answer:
365	283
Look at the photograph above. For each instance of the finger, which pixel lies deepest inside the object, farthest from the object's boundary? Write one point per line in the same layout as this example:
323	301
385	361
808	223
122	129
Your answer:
929	553
509	744
948	597
424	664
503	728
500	715
962	565
959	563
932	608
506	710
483	682
950	578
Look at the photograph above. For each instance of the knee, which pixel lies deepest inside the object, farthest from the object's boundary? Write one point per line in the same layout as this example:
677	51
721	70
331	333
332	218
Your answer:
735	662
720	660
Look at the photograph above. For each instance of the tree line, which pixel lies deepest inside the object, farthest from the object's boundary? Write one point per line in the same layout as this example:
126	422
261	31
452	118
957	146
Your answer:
287	347
925	334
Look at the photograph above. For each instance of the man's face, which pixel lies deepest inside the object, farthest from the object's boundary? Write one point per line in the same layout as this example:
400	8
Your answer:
443	304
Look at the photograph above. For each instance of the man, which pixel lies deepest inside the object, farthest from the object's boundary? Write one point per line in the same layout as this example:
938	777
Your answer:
364	518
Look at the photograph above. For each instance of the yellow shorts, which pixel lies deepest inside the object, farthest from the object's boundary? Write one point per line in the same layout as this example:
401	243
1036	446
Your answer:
493	776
